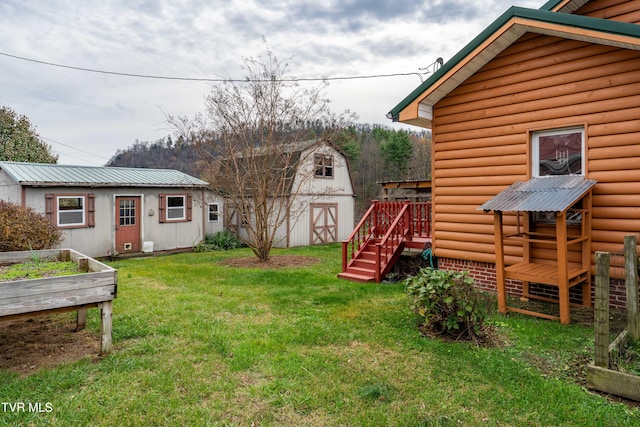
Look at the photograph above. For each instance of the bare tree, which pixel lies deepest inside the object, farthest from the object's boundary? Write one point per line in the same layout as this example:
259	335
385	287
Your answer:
250	142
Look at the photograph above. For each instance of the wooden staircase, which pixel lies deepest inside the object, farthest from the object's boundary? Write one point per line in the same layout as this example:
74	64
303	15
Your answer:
387	229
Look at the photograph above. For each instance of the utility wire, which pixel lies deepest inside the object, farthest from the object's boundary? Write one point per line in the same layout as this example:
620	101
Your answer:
74	148
196	79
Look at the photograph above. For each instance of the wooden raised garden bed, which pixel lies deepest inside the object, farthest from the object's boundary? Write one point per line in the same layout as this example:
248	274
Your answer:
95	285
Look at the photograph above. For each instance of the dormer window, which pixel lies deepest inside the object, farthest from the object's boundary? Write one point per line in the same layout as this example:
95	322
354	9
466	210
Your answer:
323	166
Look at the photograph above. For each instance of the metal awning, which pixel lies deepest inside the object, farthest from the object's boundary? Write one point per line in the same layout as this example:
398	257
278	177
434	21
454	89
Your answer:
555	193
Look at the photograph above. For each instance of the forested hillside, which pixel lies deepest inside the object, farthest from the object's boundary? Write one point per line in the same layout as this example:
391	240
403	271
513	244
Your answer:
375	154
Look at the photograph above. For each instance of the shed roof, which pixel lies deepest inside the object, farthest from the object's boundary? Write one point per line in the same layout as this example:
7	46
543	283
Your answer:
555	193
50	175
415	108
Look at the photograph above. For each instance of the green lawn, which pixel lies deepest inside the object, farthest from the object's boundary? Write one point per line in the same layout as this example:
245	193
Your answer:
199	343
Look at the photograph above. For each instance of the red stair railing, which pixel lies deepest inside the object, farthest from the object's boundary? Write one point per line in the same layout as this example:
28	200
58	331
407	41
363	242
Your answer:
362	233
388	224
387	247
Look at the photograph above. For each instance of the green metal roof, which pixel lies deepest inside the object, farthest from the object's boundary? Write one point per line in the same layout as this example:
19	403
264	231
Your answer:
48	175
602	26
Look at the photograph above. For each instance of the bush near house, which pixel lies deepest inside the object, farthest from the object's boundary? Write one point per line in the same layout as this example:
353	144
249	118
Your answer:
448	303
220	241
23	229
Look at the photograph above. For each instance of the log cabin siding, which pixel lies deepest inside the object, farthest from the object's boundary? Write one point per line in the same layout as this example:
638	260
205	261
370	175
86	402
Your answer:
482	132
617	10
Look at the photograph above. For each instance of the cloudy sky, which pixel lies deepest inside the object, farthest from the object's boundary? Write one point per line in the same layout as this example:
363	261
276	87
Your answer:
87	116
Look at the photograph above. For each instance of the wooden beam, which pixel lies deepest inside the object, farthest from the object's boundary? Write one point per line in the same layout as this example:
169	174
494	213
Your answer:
106	342
631	282
601	310
502	297
613	382
563	267
81	319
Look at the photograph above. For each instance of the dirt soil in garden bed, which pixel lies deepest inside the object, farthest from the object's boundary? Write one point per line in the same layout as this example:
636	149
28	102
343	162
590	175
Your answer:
29	345
277	261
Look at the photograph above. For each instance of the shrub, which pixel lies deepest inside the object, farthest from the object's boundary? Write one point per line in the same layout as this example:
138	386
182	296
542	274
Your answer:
23	229
220	241
448	303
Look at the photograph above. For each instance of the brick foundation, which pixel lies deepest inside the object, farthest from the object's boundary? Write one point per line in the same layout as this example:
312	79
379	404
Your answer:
484	275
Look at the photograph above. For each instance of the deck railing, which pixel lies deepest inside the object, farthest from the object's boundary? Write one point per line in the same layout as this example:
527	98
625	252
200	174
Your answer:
386	224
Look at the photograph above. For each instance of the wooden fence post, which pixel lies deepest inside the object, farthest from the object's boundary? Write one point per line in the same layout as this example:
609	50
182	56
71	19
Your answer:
601	310
106	343
631	282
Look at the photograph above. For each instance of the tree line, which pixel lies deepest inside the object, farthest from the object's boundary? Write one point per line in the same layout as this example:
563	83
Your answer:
376	154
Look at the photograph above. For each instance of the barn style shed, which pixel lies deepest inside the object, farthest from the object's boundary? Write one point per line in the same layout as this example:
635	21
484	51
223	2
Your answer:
107	211
319	193
553	91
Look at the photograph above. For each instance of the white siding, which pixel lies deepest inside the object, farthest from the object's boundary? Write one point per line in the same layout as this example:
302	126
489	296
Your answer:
9	190
99	241
336	190
296	229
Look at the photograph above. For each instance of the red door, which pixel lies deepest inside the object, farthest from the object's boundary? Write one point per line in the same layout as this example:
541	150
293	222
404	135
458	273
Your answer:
127	224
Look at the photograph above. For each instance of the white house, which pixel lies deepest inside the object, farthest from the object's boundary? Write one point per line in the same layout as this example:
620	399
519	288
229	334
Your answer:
323	205
108	211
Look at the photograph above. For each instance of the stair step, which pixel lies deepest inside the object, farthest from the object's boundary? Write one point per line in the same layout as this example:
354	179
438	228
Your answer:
363	271
364	263
367	255
355	277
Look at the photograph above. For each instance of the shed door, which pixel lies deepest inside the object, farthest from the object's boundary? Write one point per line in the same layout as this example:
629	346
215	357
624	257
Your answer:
127	224
324	223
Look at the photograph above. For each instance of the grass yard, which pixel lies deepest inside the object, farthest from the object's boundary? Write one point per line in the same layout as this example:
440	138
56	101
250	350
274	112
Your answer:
198	342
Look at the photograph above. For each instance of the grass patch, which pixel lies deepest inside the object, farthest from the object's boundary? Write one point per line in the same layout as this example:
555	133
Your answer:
37	270
199	341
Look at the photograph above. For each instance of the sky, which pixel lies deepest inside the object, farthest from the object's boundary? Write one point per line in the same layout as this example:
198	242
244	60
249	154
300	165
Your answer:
87	116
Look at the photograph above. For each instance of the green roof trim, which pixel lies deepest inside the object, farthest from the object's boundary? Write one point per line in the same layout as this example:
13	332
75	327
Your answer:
542	16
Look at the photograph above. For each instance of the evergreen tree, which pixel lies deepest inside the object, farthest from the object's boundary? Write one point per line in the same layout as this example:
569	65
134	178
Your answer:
19	141
396	150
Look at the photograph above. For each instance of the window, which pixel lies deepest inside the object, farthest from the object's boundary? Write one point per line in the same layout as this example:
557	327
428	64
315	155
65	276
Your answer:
323	166
175	207
71	211
127	212
558	152
214	211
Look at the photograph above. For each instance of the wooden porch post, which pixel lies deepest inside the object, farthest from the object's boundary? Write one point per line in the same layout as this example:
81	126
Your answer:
497	226
106	343
586	248
601	310
563	267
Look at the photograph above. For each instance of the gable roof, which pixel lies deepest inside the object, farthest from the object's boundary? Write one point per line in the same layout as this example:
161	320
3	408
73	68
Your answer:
416	108
555	193
49	175
285	167
566	6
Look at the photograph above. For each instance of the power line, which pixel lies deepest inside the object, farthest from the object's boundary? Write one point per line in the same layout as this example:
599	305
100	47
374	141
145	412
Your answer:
74	148
198	79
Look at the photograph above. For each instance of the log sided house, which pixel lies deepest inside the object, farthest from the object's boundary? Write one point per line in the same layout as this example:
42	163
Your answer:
548	92
108	211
